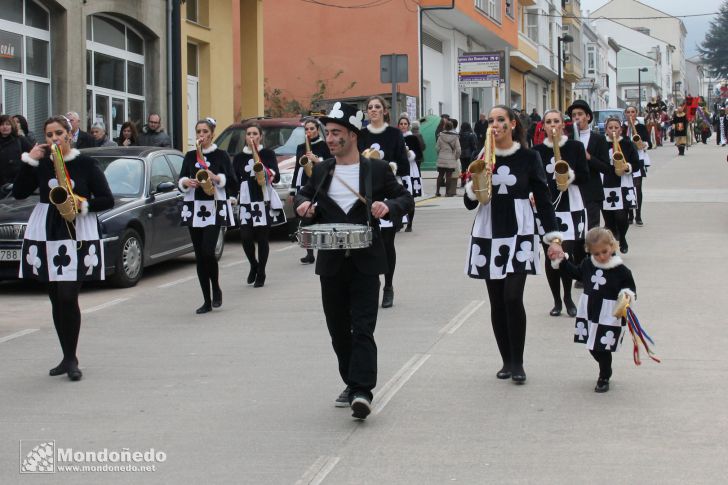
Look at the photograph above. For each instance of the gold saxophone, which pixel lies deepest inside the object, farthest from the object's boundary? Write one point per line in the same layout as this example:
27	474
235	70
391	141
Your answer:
561	167
259	170
636	139
306	162
62	196
620	165
202	175
482	170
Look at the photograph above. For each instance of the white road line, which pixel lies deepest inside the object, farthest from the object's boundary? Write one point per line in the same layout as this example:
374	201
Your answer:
317	472
457	321
290	246
234	263
398	380
177	282
18	334
104	305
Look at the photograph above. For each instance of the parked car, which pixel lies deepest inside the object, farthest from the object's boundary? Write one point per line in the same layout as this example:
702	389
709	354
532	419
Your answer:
142	229
601	115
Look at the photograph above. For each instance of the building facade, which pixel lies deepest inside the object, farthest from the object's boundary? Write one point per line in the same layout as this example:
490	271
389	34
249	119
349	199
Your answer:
599	76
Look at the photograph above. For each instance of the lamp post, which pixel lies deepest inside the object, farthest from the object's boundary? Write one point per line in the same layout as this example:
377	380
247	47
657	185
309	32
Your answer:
639	89
566	38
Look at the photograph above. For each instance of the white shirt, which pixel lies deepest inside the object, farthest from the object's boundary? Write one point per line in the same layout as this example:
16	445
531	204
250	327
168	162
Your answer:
339	192
584	136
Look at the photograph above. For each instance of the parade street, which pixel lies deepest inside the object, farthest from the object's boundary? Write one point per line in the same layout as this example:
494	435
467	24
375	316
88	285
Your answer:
245	394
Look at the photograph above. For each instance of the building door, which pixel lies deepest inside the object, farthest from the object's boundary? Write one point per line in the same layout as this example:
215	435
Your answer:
475	110
193	108
465	107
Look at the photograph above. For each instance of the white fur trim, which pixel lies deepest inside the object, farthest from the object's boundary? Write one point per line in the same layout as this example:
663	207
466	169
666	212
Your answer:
470	192
411	155
84	207
320	159
316	140
222	181
609	139
499	152
572	175
209	149
550	236
71	155
246	149
612	263
555	263
182	184
408	133
376	131
630	294
272	174
393	167
29	160
629	168
547	141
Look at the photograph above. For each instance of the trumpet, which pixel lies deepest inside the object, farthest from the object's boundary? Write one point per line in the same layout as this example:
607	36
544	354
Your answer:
482	170
371	153
306	162
561	167
636	139
62	196
202	175
620	165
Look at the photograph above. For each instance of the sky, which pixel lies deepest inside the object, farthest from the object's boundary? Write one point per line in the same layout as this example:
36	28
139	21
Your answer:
696	26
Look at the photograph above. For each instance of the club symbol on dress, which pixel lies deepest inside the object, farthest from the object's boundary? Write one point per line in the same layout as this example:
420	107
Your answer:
581	229
417	184
598	279
244	215
613	198
551	166
608	340
186	213
406	184
274	214
503	179
61	259
477	260
561	225
52	183
525	254
32	258
91	260
630	196
223	212
203	213
378	148
502	259
256	213
580	331
249	167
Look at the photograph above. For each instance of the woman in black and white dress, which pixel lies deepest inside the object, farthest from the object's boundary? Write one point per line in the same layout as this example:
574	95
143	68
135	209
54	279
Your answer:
413	181
389	143
504	240
205	214
639	174
569	204
319	152
56	251
619	195
260	207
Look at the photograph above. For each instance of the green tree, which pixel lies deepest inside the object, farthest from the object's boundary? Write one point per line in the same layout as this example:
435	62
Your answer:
714	49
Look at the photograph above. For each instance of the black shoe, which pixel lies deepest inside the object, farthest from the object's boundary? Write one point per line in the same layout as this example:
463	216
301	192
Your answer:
570	308
206	307
387	297
623	248
555	311
259	281
308	259
252	274
504	373
361	406
518	375
61	368
217	299
343	400
74	373
602	385
639	222
408	229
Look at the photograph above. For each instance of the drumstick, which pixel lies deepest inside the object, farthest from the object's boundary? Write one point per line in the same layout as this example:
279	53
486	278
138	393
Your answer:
358	195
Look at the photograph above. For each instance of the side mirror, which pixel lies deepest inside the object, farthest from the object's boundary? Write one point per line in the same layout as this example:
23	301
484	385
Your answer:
165	187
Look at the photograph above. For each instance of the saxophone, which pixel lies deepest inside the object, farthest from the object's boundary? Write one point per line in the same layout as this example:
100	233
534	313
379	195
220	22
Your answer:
620	166
371	153
259	170
306	162
482	170
62	196
561	167
636	139
202	175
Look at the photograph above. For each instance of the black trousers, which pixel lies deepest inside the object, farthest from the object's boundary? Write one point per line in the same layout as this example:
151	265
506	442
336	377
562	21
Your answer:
388	235
604	359
508	317
593	209
204	240
66	315
250	236
638	192
556	277
351	300
616	221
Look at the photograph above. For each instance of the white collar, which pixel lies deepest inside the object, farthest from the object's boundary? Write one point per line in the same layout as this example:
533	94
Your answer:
612	141
508	151
318	139
584	131
612	263
408	133
209	149
246	149
376	131
547	141
71	155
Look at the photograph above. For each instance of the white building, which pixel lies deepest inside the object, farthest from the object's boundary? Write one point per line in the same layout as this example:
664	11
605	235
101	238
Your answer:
598	86
542	28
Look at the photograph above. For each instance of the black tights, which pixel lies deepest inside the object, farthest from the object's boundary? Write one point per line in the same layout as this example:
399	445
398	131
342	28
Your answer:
204	240
508	317
259	235
66	315
616	221
605	362
388	240
554	276
638	191
410	217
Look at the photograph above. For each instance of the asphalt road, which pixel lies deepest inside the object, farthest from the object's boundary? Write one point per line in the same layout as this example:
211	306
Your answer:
245	394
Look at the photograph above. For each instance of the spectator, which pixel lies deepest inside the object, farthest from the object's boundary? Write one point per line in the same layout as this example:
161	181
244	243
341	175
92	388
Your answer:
128	136
448	155
454	124
98	131
23	130
526	123
80	139
12	147
481	127
416	132
441	126
535	117
468	149
154	135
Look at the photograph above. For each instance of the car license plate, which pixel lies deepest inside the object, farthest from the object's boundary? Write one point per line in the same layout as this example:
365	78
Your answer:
9	254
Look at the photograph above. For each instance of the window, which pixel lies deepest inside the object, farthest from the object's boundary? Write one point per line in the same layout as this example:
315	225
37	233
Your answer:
192	13
590	60
160	172
192	60
176	161
509	8
491	8
532	25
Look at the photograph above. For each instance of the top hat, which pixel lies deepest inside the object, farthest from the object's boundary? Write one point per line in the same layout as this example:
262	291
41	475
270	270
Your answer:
345	114
580	104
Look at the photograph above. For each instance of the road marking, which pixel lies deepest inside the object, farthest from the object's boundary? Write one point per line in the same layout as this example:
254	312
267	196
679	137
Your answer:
177	282
457	321
398	380
234	263
317	472
104	305
290	246
18	334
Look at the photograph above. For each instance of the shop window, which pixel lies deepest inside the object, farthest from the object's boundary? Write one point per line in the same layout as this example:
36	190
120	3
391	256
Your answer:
37	57
36	16
11	52
12	10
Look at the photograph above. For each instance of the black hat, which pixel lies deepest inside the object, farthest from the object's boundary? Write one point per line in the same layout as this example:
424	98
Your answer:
580	104
345	114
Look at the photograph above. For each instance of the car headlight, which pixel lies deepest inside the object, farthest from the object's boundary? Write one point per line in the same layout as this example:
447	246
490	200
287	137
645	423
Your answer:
286	179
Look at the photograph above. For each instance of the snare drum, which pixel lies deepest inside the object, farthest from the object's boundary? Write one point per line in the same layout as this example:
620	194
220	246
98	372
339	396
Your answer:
334	236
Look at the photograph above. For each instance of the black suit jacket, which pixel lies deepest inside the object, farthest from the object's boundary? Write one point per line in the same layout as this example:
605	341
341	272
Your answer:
371	260
598	149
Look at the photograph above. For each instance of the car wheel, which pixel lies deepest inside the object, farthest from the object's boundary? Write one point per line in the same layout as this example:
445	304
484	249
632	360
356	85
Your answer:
130	260
220	244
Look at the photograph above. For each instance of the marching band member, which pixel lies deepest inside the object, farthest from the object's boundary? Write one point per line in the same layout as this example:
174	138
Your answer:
638	175
566	188
260	206
680	129
350	278
313	149
387	143
619	196
62	244
504	239
413	181
204	178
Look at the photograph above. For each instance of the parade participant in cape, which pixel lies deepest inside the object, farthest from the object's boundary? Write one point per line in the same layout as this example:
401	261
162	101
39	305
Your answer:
350	277
388	144
638	175
504	242
680	129
619	193
314	149
63	251
208	183
569	204
413	181
606	281
260	206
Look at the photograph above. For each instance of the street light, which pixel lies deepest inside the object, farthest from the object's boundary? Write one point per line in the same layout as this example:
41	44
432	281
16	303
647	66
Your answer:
566	38
639	89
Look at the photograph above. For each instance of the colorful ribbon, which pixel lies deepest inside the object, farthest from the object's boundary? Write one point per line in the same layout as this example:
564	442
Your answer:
200	157
639	335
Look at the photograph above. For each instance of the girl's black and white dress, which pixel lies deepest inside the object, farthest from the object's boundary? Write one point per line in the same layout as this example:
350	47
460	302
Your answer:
619	193
570	210
198	208
504	238
604	284
644	156
258	208
413	181
55	250
318	148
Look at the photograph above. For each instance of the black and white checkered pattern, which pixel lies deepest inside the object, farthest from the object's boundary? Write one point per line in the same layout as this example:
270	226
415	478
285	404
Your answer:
619	191
201	210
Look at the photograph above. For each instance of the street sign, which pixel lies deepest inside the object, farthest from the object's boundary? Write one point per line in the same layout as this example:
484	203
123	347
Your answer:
480	69
584	84
393	63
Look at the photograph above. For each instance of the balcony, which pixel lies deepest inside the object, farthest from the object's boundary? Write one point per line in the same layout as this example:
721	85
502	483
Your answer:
528	3
573	8
573	68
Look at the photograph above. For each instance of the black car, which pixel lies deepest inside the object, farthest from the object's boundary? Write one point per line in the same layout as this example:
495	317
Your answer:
142	229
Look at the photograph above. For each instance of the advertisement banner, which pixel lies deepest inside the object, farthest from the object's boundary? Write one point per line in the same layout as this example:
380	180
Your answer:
480	69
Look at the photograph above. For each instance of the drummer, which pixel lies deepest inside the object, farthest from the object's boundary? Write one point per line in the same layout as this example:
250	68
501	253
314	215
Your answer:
350	278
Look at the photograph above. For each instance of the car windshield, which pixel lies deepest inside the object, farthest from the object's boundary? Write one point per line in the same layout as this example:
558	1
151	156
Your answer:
125	175
603	115
283	140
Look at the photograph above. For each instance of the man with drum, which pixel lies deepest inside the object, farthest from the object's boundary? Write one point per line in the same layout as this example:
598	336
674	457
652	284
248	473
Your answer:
350	189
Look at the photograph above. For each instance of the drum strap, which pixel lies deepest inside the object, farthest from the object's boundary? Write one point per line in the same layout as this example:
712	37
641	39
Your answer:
368	192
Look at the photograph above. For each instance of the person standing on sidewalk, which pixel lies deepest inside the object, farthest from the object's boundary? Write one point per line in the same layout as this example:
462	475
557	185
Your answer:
468	149
448	159
350	278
